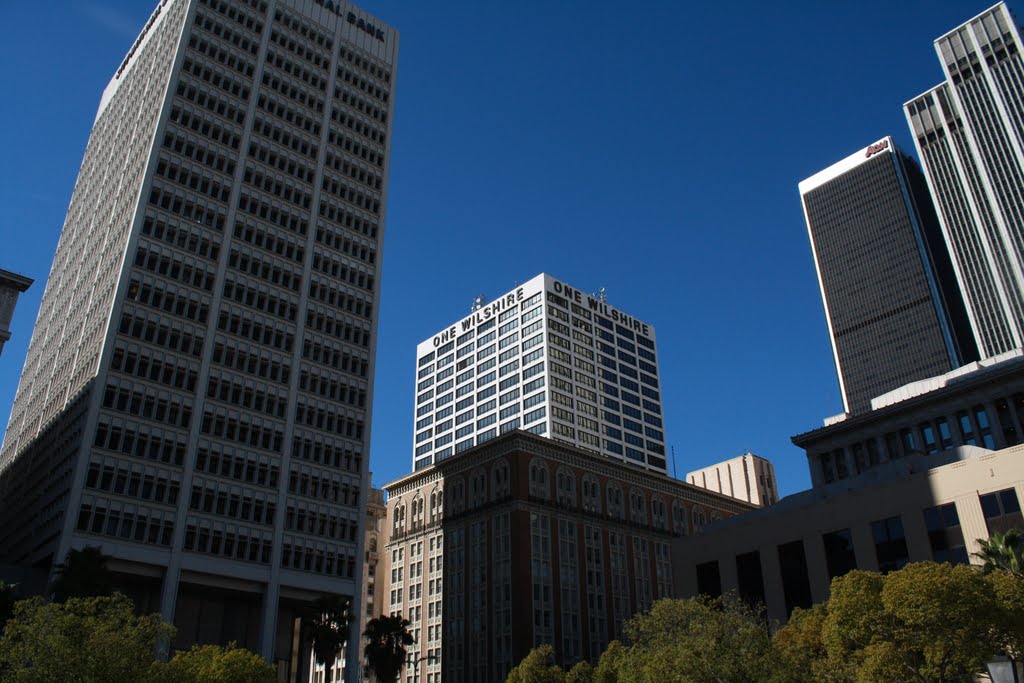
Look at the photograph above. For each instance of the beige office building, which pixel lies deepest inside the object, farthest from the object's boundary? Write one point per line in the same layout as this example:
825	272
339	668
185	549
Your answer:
748	477
910	510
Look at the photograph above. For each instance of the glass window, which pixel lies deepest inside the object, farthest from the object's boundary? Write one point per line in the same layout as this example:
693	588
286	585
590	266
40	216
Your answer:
839	555
944	534
890	544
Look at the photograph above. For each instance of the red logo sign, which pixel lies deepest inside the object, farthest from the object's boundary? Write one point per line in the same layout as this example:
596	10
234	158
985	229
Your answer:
876	148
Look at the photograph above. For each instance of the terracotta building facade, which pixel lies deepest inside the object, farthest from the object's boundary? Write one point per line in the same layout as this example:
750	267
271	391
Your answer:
526	540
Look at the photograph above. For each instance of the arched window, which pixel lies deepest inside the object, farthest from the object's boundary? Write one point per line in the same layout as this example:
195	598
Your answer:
416	519
478	488
373	544
500	484
679	522
398	519
658	513
615	506
591	494
637	506
565	483
539	485
457	499
698	518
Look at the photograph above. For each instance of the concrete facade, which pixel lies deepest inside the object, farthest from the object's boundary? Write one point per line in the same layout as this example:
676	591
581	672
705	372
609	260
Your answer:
11	285
196	396
969	136
549	359
917	509
747	477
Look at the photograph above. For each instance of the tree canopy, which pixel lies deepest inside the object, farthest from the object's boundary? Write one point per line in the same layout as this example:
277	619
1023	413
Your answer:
214	664
87	640
925	623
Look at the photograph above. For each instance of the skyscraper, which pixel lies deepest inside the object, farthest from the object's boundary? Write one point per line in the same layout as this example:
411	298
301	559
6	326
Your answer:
196	396
891	302
969	134
546	358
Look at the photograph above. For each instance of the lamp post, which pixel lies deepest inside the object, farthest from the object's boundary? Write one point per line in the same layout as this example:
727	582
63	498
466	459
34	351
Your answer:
1005	670
430	658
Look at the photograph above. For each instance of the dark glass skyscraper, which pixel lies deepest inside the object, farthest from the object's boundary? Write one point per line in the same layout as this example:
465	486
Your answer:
894	312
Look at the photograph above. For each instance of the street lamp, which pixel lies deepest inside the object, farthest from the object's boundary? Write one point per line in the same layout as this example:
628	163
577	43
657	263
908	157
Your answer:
433	658
1005	670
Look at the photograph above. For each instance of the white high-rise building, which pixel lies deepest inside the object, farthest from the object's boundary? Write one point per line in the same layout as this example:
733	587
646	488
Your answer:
547	358
969	133
196	396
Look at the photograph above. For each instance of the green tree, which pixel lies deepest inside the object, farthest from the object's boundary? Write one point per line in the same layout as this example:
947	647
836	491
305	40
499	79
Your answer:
387	637
214	664
1003	551
607	670
1009	592
927	622
85	640
325	627
582	672
801	656
537	667
82	574
701	640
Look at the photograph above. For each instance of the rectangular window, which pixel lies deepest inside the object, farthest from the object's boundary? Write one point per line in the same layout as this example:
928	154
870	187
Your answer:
944	534
839	555
890	544
1001	510
796	583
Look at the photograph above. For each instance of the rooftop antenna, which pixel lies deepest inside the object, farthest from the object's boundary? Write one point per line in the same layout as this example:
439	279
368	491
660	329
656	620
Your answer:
478	303
674	475
602	295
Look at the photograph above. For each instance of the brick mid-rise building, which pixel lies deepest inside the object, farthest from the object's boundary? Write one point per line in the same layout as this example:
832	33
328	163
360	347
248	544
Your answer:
525	540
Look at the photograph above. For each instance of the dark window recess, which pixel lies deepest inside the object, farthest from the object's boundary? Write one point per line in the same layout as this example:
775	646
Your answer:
944	534
749	579
796	583
890	544
839	555
1002	511
709	579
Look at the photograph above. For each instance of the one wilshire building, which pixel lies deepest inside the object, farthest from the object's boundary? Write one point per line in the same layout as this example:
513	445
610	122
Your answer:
546	358
196	395
969	133
891	301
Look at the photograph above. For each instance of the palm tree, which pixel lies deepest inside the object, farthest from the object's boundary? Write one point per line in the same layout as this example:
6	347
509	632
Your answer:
82	574
1003	552
387	638
325	627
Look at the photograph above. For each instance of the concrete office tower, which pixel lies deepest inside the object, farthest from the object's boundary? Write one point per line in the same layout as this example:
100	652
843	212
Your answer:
893	310
546	358
969	134
196	396
748	477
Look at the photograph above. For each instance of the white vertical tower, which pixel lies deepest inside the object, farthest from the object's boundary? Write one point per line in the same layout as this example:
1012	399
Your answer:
969	133
546	358
196	396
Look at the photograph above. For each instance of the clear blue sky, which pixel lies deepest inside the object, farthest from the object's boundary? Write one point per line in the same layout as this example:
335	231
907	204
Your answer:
652	148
